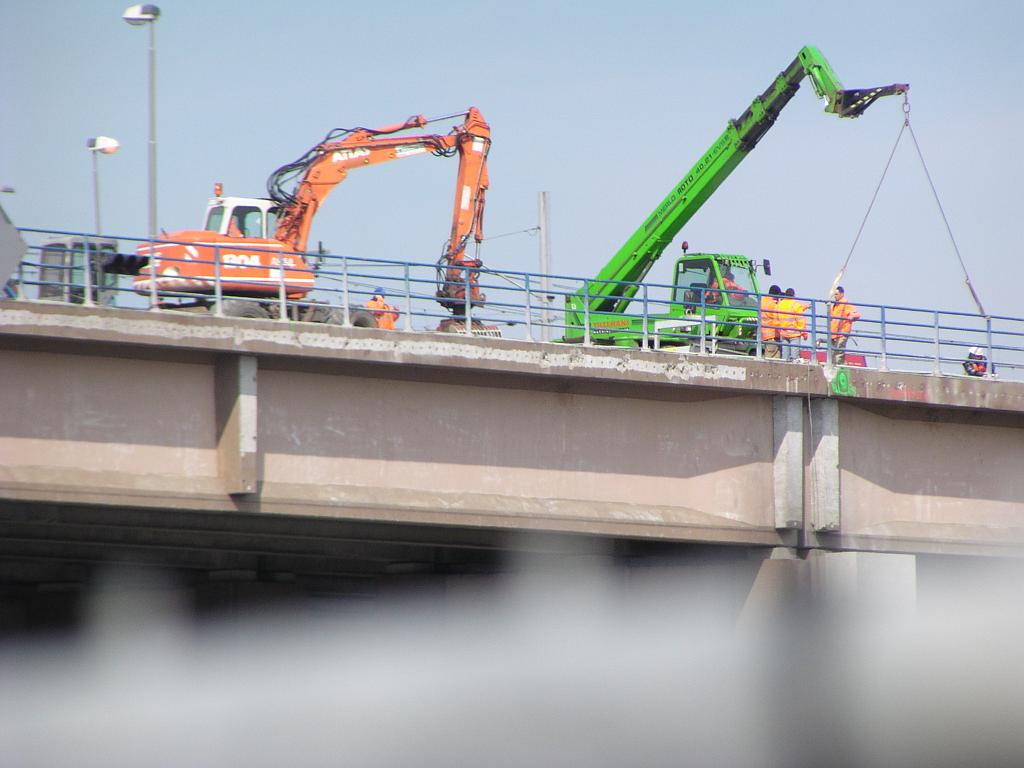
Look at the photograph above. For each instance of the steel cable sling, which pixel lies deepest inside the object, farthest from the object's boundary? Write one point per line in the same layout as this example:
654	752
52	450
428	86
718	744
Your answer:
906	126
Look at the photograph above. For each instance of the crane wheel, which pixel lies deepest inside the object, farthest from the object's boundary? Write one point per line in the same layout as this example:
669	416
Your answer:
243	308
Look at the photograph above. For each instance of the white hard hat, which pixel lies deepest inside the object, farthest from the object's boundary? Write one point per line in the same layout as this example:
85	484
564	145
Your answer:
974	351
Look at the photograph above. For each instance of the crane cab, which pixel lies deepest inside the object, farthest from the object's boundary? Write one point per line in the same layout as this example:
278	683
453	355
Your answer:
714	280
714	302
251	217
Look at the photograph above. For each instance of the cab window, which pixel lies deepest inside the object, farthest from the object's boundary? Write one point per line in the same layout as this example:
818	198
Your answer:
246	221
692	279
737	278
214	219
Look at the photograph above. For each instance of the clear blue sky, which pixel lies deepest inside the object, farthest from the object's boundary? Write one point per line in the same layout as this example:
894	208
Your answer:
603	105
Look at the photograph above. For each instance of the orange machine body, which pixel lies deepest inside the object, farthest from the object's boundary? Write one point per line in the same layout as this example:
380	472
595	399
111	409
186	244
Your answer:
255	245
235	247
248	266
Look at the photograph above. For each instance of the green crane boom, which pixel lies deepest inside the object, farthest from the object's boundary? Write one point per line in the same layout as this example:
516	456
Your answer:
610	291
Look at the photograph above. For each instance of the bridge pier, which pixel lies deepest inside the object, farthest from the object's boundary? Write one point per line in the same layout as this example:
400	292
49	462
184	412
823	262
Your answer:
837	584
857	583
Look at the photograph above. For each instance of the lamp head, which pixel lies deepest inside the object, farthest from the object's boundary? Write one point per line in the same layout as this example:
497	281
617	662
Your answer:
137	15
104	145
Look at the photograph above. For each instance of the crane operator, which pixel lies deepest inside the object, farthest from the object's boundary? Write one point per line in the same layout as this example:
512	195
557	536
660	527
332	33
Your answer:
729	285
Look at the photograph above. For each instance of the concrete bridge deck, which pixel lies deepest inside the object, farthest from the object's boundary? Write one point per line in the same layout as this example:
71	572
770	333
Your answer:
175	413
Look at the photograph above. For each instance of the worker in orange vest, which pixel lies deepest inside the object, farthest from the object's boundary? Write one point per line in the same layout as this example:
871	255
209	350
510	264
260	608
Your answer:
800	320
383	313
770	323
842	314
792	323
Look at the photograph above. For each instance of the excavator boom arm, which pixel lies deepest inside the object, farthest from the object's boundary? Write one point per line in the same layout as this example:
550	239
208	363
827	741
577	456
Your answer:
327	164
455	269
473	141
331	167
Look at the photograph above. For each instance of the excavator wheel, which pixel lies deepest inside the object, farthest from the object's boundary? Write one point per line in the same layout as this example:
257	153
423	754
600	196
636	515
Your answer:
243	308
360	318
322	313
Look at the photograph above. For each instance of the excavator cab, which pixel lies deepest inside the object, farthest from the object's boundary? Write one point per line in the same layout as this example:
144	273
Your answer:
249	217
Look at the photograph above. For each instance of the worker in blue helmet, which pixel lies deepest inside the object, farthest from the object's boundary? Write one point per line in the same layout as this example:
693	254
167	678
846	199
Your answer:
383	313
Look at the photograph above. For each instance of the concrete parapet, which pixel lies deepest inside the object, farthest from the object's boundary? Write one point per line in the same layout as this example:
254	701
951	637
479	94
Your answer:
642	373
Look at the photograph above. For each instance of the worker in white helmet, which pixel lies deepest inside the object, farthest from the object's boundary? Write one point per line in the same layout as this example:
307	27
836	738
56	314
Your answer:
976	363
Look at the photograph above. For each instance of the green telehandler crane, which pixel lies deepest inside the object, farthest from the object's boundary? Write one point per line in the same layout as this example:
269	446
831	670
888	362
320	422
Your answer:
597	312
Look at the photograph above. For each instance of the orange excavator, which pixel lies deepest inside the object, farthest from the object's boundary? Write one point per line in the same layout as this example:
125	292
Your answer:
255	247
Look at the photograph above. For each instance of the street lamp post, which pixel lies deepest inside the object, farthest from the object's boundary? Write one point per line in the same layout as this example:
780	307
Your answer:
138	15
100	145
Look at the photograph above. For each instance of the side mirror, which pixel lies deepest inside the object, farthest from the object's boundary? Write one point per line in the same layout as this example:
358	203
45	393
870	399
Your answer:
767	267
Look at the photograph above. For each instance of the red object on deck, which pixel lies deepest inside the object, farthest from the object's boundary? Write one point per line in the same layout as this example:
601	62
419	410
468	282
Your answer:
852	360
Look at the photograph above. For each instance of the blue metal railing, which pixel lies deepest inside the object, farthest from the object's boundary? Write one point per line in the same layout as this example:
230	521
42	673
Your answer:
72	267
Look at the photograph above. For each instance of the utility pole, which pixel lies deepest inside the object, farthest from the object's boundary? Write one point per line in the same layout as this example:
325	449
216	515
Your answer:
139	15
100	145
545	266
152	128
